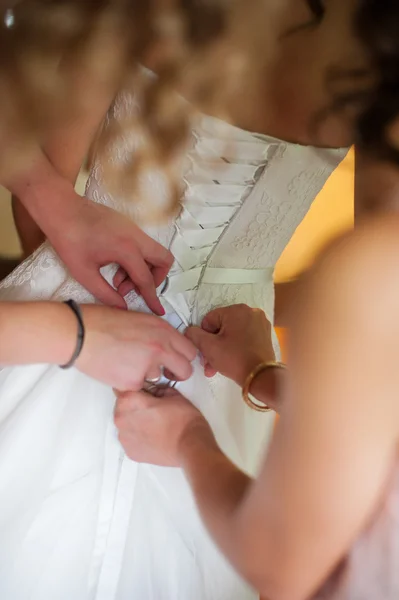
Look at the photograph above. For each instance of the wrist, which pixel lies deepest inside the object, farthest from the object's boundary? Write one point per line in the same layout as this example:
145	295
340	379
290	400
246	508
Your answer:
41	190
80	334
266	385
250	364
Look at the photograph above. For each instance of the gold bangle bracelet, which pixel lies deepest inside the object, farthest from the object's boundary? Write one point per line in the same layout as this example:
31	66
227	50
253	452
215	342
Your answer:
249	380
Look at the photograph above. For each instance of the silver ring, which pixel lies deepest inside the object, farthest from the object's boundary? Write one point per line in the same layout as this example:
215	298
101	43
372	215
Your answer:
154	381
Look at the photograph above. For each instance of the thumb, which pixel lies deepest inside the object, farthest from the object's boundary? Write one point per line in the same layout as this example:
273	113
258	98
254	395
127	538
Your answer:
202	340
213	321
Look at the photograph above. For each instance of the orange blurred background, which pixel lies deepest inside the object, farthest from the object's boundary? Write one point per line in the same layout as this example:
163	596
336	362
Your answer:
331	214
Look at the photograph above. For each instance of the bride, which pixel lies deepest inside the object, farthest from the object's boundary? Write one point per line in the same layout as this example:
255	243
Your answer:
79	520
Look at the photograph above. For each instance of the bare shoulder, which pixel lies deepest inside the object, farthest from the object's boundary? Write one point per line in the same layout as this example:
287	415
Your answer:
359	272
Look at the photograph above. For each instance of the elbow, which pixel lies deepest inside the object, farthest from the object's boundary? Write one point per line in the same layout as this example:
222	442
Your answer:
271	588
274	581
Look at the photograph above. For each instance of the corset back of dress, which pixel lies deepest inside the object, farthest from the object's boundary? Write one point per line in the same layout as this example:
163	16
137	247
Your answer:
245	194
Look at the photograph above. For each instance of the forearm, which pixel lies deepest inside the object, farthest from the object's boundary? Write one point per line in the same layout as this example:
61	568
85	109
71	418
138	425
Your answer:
265	387
56	166
40	188
70	142
219	488
61	158
36	332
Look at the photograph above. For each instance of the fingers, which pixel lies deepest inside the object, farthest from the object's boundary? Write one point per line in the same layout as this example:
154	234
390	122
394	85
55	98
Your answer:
166	392
123	283
104	292
178	355
126	287
209	371
158	256
153	374
183	345
141	276
119	277
207	344
199	338
160	274
133	401
213	321
177	364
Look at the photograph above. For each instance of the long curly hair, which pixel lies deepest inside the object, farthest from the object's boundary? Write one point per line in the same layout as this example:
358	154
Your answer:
51	51
377	24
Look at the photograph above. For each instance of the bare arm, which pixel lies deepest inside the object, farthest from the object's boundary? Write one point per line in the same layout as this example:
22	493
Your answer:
36	332
275	530
88	235
65	150
46	333
287	531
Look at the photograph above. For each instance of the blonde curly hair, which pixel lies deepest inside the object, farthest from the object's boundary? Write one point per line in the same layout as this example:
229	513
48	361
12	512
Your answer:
51	51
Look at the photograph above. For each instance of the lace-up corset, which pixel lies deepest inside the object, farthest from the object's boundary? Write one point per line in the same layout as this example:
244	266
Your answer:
221	174
245	194
220	247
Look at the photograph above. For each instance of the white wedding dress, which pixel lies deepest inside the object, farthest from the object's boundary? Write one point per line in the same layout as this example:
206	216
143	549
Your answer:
80	521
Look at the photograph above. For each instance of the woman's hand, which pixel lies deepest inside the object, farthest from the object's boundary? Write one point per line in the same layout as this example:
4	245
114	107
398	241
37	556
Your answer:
233	341
123	348
153	429
93	236
88	236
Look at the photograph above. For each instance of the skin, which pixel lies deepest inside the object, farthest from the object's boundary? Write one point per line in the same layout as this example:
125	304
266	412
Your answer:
297	66
86	236
286	531
114	341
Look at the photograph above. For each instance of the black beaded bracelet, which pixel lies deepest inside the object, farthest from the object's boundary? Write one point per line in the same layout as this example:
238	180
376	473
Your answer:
81	333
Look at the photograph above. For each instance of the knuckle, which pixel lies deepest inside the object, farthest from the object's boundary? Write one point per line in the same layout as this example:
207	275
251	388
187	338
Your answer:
155	347
185	370
168	259
243	307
